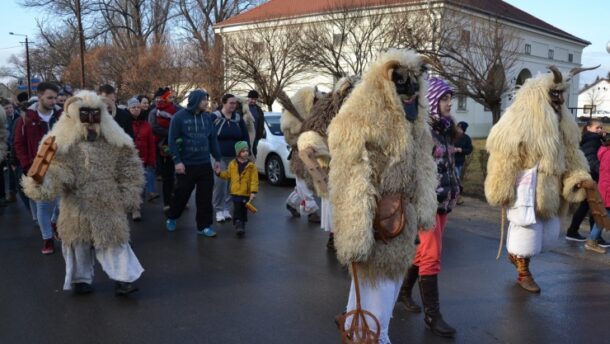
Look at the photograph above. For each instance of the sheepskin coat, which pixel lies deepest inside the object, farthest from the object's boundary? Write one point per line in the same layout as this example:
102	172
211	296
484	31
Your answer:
4	133
98	182
314	130
530	133
375	151
303	101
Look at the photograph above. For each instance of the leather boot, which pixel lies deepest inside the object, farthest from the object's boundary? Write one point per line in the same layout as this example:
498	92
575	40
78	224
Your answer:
407	288
428	288
525	278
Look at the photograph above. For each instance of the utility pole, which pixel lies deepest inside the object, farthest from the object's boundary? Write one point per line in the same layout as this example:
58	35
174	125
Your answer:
27	62
81	37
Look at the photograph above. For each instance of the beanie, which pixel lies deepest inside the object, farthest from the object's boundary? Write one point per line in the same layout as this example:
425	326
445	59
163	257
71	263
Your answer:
436	90
133	102
240	146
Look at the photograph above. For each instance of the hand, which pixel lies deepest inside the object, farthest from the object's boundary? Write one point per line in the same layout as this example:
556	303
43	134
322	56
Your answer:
217	166
458	150
217	169
180	169
252	197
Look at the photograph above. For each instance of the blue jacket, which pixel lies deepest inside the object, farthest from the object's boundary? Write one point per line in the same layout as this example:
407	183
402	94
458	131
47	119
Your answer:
230	132
192	137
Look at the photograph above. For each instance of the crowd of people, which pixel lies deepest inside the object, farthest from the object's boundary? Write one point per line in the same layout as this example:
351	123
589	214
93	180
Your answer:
410	161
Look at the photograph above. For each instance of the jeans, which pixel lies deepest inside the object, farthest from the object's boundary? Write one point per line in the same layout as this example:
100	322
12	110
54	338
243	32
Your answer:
596	232
47	212
150	179
222	196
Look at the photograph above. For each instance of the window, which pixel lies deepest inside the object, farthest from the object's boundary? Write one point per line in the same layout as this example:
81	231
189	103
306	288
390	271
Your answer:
461	102
465	37
337	39
570	57
528	49
551	54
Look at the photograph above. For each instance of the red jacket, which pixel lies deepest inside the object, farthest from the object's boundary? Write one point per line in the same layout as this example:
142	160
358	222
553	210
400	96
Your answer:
145	142
603	154
29	130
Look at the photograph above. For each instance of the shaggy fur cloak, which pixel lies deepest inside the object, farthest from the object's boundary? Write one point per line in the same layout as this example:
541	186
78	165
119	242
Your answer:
314	130
97	182
376	151
303	101
3	135
248	119
529	133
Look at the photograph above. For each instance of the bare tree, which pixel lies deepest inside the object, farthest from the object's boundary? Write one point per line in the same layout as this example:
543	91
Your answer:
346	39
265	58
594	97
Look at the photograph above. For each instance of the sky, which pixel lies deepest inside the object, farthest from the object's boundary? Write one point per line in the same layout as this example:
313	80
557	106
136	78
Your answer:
586	19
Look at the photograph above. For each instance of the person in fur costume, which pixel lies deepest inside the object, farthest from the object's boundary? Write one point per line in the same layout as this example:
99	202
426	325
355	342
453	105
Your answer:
99	177
297	110
380	145
534	168
314	137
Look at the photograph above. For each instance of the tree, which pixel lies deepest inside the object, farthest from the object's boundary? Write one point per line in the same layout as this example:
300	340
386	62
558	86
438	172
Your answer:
594	97
265	58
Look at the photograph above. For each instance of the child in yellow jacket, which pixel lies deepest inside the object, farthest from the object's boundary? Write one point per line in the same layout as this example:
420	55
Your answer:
243	180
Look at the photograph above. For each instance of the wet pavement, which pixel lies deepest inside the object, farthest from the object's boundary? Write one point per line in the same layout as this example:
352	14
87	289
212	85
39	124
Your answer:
280	285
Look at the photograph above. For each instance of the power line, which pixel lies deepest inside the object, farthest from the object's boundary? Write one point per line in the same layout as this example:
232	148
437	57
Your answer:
6	48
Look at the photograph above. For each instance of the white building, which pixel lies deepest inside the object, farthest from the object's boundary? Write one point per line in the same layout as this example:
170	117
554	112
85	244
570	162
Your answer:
541	43
595	98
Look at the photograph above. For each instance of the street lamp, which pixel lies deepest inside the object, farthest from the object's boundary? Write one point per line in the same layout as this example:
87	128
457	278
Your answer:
27	61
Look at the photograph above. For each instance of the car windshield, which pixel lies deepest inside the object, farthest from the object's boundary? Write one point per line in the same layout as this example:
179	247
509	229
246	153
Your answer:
273	122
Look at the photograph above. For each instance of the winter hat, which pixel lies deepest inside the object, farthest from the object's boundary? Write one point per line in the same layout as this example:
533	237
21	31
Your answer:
240	146
253	94
463	125
160	91
437	88
133	102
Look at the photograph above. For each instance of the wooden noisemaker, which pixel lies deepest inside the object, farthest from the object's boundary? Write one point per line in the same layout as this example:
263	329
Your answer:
46	153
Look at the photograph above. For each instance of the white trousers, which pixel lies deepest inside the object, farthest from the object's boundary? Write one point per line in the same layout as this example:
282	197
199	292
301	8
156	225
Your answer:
326	218
302	198
119	263
379	300
533	239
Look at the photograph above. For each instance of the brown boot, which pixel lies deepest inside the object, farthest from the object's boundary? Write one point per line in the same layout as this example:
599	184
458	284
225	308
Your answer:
525	279
593	246
407	288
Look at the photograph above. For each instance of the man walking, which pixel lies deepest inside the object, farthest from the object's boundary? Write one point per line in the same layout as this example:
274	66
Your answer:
192	139
259	119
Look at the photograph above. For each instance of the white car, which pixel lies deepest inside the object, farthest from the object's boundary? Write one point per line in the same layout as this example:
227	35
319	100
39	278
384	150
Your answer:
273	151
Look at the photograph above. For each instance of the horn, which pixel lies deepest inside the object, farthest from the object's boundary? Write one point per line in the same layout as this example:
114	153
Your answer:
557	77
285	101
577	70
69	102
431	61
388	66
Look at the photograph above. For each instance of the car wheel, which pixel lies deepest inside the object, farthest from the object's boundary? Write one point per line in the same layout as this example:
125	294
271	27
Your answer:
274	169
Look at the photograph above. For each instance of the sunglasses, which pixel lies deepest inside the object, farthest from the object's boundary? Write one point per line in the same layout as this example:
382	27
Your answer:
90	115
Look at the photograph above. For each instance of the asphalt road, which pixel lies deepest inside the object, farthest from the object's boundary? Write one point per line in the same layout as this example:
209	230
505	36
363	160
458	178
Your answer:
280	285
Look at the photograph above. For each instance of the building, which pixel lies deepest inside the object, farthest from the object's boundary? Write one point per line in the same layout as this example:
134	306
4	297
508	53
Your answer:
595	99
540	43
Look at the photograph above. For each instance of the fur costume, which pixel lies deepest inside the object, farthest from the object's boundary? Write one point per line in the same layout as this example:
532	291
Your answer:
314	129
303	101
97	181
530	132
248	119
3	135
376	151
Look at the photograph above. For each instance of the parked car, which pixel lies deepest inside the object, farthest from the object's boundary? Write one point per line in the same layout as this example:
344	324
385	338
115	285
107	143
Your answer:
273	151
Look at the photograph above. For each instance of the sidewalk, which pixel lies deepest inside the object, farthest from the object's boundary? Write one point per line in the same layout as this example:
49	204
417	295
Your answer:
480	218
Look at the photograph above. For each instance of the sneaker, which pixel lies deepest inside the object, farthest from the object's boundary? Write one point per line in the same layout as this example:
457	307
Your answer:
603	243
293	211
208	232
124	288
220	216
152	196
170	225
575	237
593	246
48	247
227	215
240	227
82	288
136	216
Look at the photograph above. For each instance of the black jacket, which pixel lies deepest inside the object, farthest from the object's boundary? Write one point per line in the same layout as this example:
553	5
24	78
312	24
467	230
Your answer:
465	143
589	144
124	119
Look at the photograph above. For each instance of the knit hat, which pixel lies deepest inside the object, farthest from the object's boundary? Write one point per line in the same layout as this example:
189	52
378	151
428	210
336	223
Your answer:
240	146
437	88
133	102
253	94
463	125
